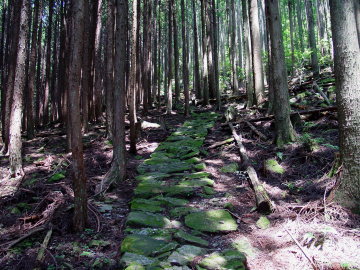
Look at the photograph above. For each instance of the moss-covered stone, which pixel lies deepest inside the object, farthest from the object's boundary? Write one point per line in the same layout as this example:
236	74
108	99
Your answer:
152	176
168	166
183	236
185	254
200	167
198	175
155	233
135	266
182	191
146	205
143	219
243	245
211	221
231	168
143	245
209	190
263	223
150	189
181	211
171	201
271	165
197	182
135	259
230	259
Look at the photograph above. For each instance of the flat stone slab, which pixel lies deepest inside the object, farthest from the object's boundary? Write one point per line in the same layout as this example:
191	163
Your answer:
230	259
144	219
185	255
183	236
135	259
211	221
141	244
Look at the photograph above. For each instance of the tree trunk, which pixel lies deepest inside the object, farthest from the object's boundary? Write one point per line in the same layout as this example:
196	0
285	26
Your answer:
205	66
300	24
210	48
284	129
170	57
147	55
256	52
215	35
185	60
32	71
312	37
118	168
79	177
133	79
176	54
110	23
15	143
247	55
347	70
97	92
290	5
197	85
233	47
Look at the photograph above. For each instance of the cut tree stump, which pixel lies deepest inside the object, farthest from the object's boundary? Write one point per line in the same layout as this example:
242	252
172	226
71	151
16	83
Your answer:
263	201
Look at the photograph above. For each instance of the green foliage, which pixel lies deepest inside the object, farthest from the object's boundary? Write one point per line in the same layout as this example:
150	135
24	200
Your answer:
56	177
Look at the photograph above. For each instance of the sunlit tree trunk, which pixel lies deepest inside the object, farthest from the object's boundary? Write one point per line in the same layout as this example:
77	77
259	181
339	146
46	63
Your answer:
197	84
185	59
170	57
312	37
347	71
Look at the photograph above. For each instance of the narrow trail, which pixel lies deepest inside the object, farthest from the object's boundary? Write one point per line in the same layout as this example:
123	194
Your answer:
169	227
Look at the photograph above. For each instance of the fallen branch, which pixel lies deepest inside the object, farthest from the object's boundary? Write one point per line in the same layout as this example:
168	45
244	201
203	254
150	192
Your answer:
16	241
314	266
318	89
263	201
261	135
271	117
230	140
41	254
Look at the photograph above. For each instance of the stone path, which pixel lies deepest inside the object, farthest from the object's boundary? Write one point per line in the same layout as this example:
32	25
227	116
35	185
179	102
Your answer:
163	230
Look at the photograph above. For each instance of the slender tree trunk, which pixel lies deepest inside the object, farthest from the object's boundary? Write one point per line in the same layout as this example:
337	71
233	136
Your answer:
357	16
97	92
248	55
118	168
147	55
214	26
233	47
32	70
210	48
300	23
79	177
205	55
48	64
176	54
170	57
256	52
312	37
133	79
15	143
291	14
197	85
110	67
185	59
347	70
284	129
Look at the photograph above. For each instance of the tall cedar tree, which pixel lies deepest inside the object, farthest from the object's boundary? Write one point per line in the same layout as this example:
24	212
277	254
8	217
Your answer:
79	177
347	70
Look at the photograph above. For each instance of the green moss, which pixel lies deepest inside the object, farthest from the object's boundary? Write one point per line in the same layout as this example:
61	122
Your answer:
183	236
230	259
146	205
135	259
198	175
197	182
181	211
209	190
179	190
231	168
152	176
263	223
171	201
141	244
141	219
211	221
273	166
200	167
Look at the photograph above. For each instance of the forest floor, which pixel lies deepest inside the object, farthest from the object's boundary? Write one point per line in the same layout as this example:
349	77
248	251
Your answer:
326	232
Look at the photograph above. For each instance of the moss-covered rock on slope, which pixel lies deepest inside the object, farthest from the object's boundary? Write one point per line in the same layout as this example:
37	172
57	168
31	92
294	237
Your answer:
211	221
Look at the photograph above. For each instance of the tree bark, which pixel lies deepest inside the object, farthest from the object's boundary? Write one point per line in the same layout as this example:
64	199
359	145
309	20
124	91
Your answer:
15	143
170	57
133	79
300	24
205	66
284	129
185	64
176	54
79	177
233	47
347	70
256	53
197	85
291	14
312	37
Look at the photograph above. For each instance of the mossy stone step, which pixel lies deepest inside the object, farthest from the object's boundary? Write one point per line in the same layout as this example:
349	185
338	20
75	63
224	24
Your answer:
183	236
185	254
144	219
229	259
146	205
131	259
211	221
144	245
